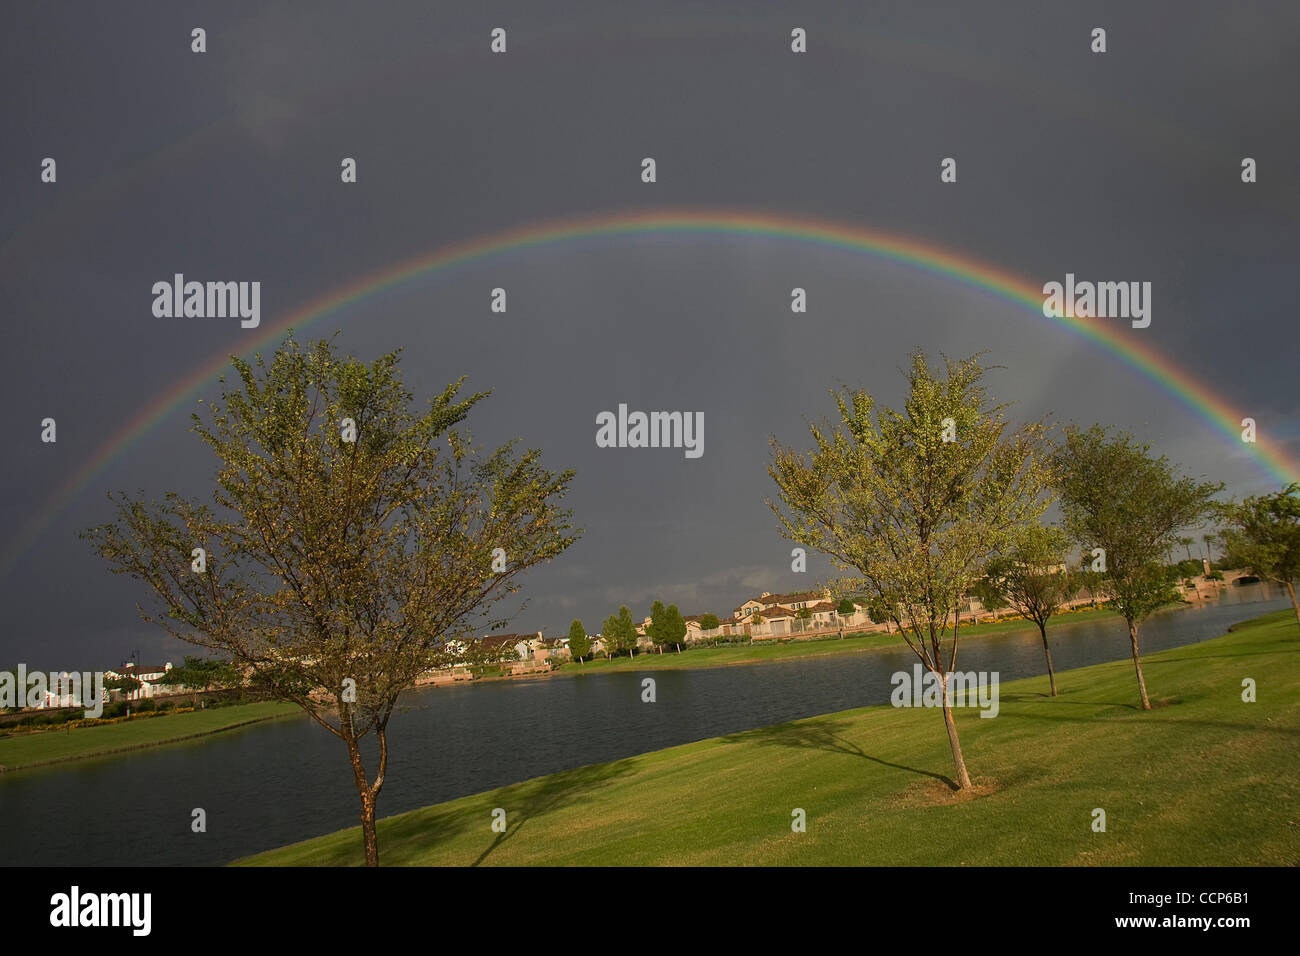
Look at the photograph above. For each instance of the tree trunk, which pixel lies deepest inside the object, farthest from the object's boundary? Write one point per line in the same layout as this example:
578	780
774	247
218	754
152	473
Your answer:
368	792
1137	664
1051	674
369	836
1290	586
963	778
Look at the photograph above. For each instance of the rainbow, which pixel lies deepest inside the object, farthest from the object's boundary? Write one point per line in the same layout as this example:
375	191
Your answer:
1110	337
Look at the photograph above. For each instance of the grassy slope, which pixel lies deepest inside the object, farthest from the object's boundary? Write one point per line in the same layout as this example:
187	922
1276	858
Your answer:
1202	779
772	651
58	745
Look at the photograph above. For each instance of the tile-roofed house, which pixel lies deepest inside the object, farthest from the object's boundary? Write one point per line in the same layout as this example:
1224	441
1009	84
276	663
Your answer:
796	600
520	643
149	676
774	611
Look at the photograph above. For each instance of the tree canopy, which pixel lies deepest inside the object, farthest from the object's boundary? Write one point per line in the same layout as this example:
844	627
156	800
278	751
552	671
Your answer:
1032	576
1263	536
915	500
579	643
349	538
1118	498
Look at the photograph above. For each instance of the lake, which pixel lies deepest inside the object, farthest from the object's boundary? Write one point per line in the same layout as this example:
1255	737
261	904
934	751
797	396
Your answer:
279	782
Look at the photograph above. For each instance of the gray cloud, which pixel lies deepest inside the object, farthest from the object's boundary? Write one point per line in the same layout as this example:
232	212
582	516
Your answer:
225	166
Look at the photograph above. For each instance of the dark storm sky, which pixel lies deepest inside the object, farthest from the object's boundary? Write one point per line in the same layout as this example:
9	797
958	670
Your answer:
225	166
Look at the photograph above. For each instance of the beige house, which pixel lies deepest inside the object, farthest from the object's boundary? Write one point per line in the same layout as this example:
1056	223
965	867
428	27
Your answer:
794	602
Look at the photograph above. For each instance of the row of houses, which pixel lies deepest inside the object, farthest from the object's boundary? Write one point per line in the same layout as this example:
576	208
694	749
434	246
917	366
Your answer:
150	685
768	616
765	617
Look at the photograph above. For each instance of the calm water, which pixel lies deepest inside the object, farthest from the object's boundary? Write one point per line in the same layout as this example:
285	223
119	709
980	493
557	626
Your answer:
283	781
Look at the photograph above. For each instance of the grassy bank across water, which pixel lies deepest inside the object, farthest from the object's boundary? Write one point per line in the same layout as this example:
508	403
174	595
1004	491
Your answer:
1204	779
770	650
57	746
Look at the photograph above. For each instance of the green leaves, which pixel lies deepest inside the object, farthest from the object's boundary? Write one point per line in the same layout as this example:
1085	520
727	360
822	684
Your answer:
1031	574
333	560
579	643
1263	534
1116	496
915	500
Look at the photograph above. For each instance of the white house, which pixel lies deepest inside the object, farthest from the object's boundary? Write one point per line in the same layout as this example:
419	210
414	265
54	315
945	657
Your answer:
149	676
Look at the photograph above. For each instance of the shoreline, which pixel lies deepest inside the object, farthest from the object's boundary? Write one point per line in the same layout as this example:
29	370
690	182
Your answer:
805	649
870	642
142	745
819	759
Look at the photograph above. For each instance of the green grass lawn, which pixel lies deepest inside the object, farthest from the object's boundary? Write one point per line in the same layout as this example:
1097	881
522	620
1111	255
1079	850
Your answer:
52	746
770	650
1202	779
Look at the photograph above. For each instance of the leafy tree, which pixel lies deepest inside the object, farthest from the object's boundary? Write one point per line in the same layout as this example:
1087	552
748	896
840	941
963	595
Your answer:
884	493
709	622
1115	496
1209	539
879	611
846	608
1032	577
674	627
609	636
1182	571
124	684
579	643
1263	536
624	631
989	595
1094	582
658	629
340	563
202	674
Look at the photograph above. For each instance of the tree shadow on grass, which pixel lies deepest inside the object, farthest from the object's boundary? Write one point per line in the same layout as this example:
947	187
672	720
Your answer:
417	830
824	735
529	799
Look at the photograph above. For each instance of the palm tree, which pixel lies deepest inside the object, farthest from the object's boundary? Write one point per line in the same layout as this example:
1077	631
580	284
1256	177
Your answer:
1187	543
1209	538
